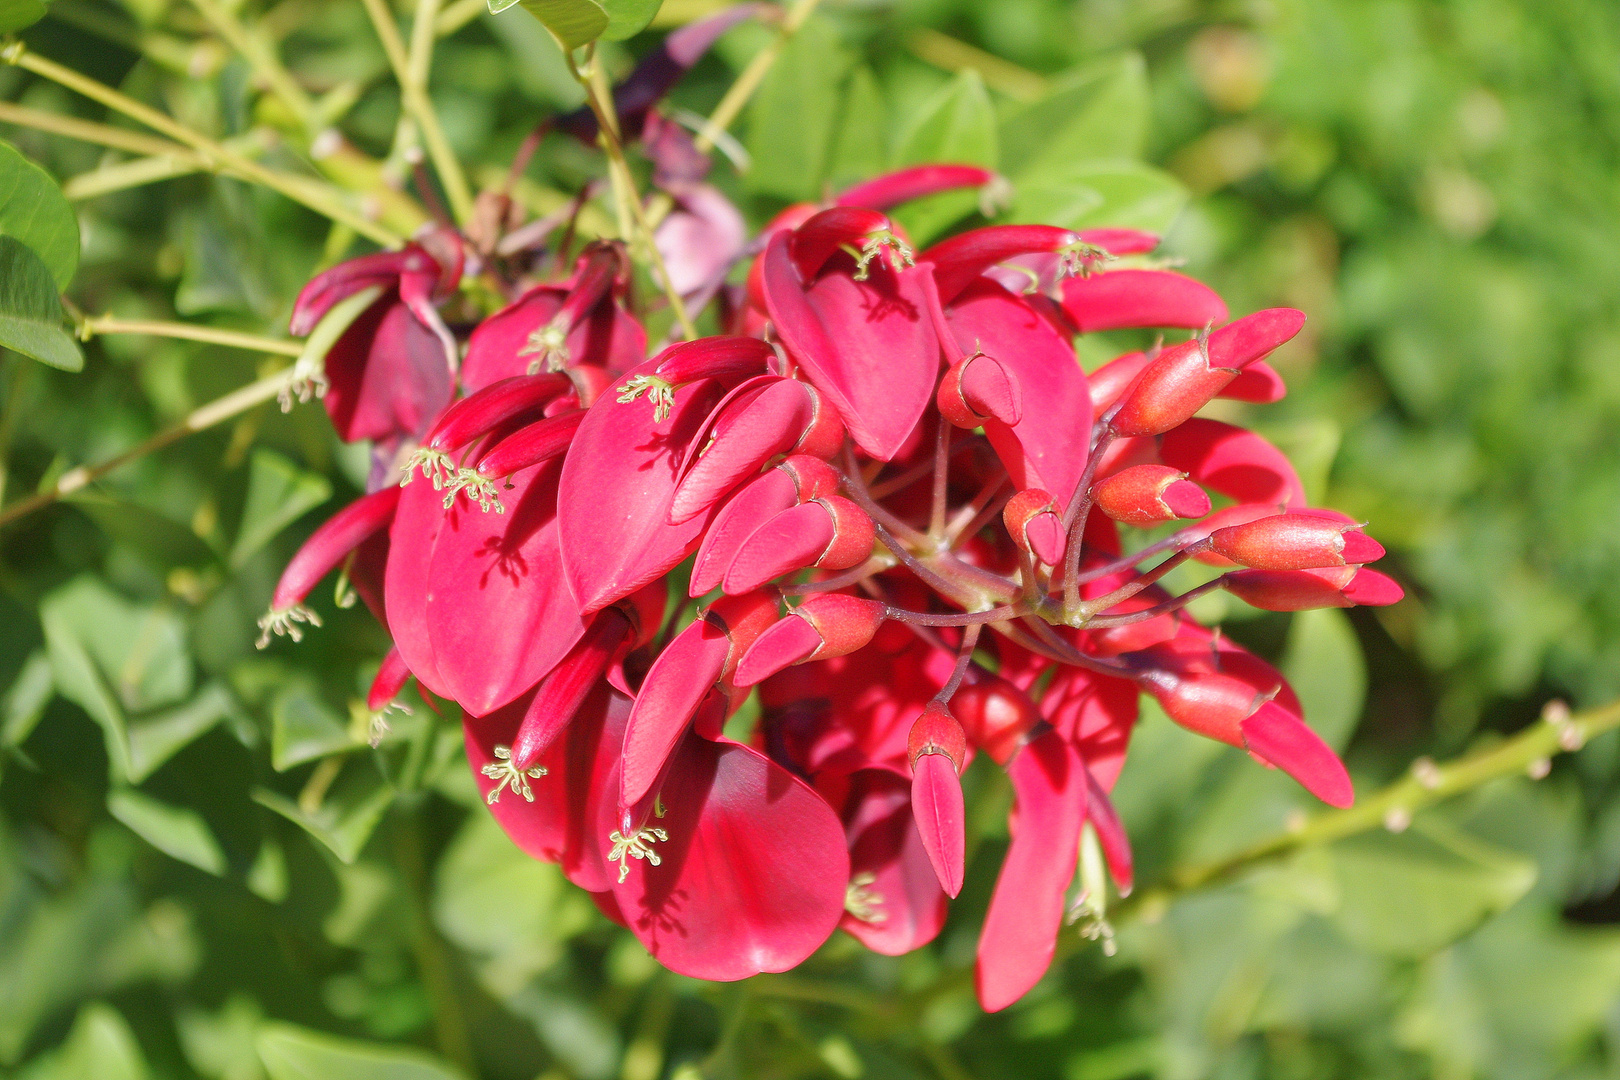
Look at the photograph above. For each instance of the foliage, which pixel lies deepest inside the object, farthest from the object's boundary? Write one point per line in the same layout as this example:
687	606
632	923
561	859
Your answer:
206	871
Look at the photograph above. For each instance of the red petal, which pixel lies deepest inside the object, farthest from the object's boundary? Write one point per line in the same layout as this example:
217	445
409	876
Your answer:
747	431
936	802
1123	299
1283	739
904	185
1258	383
735	522
868	345
387	373
675	686
1372	589
330	544
416	527
785	643
789	541
1021	927
907	908
753	874
1116	846
617	485
1235	462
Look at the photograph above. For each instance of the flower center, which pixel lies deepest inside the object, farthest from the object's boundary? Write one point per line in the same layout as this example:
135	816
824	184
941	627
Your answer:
477	487
659	392
435	465
506	774
551	343
875	244
284	621
637	844
863	901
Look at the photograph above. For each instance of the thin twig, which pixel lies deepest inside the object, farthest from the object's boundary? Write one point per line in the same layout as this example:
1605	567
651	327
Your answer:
314	194
215	412
109	324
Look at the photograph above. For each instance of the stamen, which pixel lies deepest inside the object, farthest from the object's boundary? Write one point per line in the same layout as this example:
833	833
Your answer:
1080	259
659	392
435	465
551	343
637	845
863	901
307	380
508	774
477	487
876	243
284	622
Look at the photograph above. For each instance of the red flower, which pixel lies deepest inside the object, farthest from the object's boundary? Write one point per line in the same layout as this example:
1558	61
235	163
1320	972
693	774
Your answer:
899	474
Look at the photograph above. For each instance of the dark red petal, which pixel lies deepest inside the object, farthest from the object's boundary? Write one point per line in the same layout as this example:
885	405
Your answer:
1278	736
1026	910
675	686
1372	589
752	877
903	903
1237	463
936	802
391	677
904	185
1116	846
387	373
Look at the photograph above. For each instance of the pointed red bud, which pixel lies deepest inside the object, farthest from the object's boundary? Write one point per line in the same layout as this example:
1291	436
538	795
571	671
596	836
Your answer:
938	749
1172	387
904	185
389	681
713	358
1278	737
1033	522
539	441
824	626
1253	337
979	388
1147	495
1300	590
1294	542
831	532
330	544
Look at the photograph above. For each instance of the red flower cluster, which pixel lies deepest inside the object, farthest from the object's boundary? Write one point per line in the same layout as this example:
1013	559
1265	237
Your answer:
889	453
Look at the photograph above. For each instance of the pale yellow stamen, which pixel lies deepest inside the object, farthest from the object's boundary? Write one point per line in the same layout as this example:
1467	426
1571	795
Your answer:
509	775
863	901
637	845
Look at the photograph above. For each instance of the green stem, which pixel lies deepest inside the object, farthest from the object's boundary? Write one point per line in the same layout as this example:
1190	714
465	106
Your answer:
311	193
215	412
432	958
101	134
411	69
260	57
108	324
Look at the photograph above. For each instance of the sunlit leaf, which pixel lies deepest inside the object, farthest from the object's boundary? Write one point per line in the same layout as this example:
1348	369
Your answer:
574	22
793	120
1083	195
295	1053
278	494
956	125
24	703
1098	112
32	206
303	728
30	312
627	18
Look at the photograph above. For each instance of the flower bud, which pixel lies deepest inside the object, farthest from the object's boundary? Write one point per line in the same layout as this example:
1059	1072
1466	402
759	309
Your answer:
1300	590
1033	522
996	715
391	677
830	532
824	626
938	749
1296	541
979	388
1147	495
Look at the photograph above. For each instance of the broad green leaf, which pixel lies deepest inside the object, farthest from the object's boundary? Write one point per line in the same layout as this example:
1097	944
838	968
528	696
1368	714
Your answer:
221	1045
164	541
279	493
25	702
538	65
860	143
794	117
157	737
1323	663
295	1053
627	18
303	728
34	210
956	125
1412	893
343	823
30	310
1083	195
267	877
17	14
573	22
100	1046
177	832
364	888
1099	112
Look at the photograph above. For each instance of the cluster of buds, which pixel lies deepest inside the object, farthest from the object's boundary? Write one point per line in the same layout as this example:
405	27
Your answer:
896	499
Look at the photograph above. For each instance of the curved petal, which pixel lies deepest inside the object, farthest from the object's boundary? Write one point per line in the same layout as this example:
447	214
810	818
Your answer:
895	901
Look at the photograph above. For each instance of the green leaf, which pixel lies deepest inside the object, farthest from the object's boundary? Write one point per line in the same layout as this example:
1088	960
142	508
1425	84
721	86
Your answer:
25	702
267	877
303	728
295	1053
1083	195
956	125
30	310
1323	663
793	119
343	823
100	1045
157	737
221	1045
177	832
34	210
1413	893
18	14
279	493
573	22
1098	112
627	18
859	146
164	541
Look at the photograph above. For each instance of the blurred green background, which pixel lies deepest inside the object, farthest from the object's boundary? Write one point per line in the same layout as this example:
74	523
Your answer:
205	871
